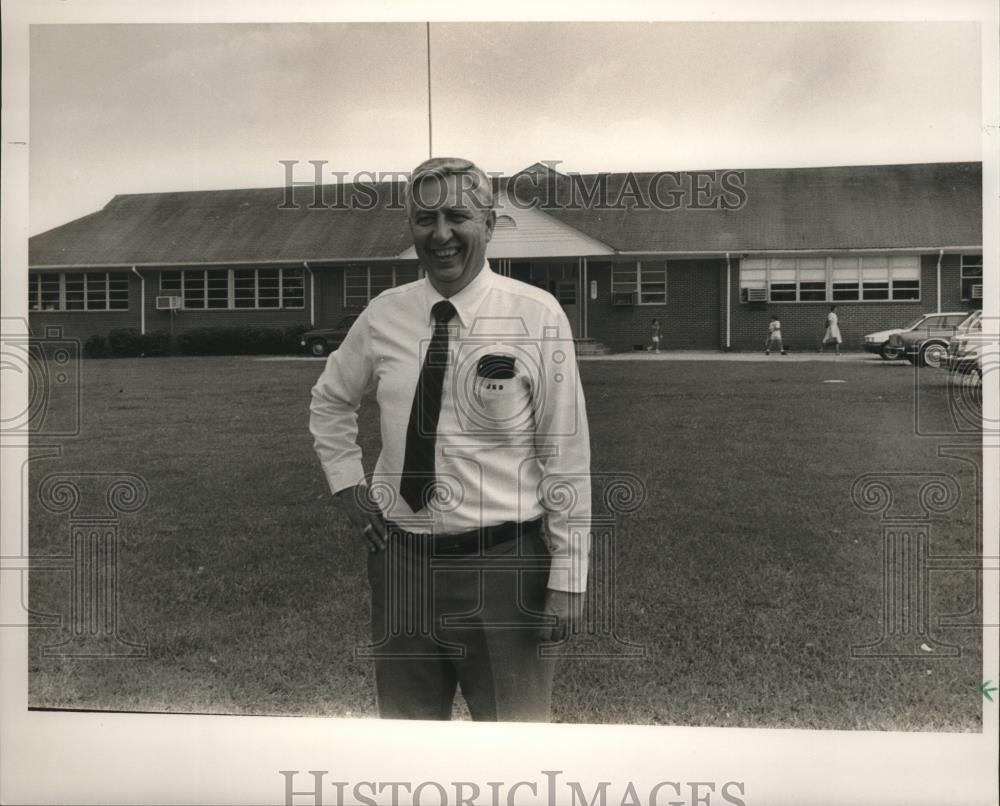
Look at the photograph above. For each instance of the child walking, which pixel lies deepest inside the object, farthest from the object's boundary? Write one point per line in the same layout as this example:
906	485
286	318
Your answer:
774	337
654	344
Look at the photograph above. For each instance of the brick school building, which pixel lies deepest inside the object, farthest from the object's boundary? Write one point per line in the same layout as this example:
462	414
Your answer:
711	254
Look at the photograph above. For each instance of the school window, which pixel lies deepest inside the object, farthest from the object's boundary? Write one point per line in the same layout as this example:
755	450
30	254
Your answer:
876	278
363	283
262	289
640	282
972	277
85	291
835	278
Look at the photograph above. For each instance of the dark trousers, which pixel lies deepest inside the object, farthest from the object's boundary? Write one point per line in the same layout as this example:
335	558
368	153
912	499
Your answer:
472	620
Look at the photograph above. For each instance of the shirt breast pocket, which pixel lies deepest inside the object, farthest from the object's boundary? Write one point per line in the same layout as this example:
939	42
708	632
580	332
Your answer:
502	399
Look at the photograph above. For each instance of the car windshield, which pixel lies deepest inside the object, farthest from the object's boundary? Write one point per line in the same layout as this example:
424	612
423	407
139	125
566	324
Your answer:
972	322
914	323
939	320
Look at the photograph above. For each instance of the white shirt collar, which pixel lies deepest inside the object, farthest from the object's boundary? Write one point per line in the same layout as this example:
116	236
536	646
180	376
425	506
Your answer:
466	301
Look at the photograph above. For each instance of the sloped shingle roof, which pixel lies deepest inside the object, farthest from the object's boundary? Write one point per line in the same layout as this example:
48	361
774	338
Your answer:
881	206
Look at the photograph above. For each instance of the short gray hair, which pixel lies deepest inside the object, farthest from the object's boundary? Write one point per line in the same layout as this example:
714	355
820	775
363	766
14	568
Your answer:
440	167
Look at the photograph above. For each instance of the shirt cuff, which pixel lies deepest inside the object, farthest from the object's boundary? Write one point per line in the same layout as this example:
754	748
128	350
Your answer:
345	475
568	571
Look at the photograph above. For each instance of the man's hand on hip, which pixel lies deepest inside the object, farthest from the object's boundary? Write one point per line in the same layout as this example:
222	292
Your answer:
568	609
364	515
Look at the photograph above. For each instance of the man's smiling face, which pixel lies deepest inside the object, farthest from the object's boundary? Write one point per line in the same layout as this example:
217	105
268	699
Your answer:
450	230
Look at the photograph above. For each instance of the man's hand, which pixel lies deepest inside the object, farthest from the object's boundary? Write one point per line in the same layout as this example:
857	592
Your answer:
568	610
364	515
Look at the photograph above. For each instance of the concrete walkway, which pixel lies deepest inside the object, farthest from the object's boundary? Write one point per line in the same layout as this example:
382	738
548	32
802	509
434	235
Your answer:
714	355
688	355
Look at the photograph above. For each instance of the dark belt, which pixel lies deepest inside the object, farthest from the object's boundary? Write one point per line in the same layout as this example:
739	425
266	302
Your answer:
465	543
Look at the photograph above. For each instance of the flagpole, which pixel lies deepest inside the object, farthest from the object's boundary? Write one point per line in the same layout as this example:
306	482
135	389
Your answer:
430	134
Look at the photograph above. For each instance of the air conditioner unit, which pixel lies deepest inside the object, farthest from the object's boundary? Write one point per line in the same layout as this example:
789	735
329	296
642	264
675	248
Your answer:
623	298
756	294
977	291
168	303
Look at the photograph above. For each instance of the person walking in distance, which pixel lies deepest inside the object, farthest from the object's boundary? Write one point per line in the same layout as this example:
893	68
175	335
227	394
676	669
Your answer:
654	338
832	333
774	337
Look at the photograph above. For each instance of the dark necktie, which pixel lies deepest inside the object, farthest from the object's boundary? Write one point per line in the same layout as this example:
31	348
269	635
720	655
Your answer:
421	432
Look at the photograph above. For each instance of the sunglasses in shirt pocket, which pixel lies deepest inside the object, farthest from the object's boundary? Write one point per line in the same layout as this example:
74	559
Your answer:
501	395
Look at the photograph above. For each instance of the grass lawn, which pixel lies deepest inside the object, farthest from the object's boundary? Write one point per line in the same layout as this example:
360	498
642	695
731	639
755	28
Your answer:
748	575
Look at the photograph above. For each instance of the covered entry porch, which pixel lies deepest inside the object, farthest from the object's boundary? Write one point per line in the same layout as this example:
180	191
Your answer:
566	280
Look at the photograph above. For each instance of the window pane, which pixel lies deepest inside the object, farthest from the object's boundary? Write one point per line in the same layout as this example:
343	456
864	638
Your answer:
74	292
268	288
293	291
566	293
782	275
904	262
845	264
906	289
812	292
244	288
50	292
653	283
783	292
118	291
874	262
381	279
218	288
355	287
194	289
875	274
782	263
875	291
170	283
33	292
845	291
812	275
813	264
906	273
623	278
97	295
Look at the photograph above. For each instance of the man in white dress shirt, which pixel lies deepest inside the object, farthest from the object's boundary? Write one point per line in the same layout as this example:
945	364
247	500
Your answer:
477	516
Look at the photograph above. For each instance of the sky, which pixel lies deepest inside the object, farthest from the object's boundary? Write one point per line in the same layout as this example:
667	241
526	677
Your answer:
147	108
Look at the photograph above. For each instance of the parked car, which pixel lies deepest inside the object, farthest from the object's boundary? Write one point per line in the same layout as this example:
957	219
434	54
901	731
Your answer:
965	348
882	343
325	340
926	344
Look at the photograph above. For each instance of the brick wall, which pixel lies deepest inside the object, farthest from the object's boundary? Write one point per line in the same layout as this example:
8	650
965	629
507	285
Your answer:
688	321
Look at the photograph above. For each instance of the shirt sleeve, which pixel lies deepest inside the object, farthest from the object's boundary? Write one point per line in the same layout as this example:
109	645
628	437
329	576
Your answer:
333	412
562	440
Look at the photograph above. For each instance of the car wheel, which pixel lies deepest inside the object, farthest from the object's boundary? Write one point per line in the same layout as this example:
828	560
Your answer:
318	348
933	354
891	352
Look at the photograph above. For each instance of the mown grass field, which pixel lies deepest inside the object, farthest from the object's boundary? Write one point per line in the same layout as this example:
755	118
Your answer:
748	575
